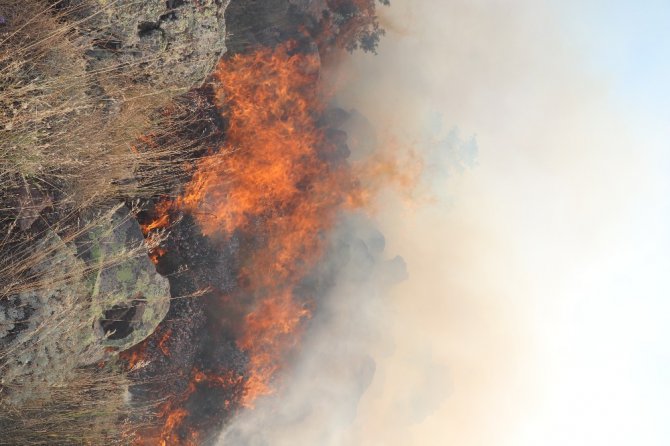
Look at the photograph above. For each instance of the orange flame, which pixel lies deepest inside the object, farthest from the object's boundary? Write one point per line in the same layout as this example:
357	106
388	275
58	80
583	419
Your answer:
270	330
163	217
173	413
162	344
270	178
134	356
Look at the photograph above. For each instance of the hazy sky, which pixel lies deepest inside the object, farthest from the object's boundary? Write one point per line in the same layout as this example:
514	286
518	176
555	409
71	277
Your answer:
536	305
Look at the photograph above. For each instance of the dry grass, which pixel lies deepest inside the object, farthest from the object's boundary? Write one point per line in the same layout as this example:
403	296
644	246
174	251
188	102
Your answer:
88	410
65	126
74	136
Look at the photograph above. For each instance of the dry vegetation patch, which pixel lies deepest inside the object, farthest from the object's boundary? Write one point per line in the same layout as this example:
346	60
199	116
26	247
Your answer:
77	139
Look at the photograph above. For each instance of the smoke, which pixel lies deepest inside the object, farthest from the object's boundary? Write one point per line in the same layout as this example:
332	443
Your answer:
321	387
525	183
350	330
333	368
513	237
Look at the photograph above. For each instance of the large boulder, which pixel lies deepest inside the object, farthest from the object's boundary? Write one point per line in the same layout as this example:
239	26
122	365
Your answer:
85	298
129	298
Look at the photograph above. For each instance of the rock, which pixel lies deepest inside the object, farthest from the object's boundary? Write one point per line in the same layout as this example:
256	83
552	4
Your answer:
178	41
129	297
88	298
43	330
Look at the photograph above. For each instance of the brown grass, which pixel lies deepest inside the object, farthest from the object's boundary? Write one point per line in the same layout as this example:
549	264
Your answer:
88	410
63	125
76	136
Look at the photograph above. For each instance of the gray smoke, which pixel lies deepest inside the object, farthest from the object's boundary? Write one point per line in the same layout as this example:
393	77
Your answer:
320	391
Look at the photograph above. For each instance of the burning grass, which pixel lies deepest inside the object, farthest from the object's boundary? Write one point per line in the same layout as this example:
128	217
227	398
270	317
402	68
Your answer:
275	175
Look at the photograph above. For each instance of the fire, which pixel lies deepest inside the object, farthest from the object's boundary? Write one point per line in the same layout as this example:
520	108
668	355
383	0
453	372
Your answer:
155	254
270	178
174	413
269	145
163	343
272	181
161	222
162	219
134	357
173	419
270	330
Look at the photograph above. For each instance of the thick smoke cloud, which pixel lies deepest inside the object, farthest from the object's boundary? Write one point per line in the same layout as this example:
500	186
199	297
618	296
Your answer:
527	171
515	245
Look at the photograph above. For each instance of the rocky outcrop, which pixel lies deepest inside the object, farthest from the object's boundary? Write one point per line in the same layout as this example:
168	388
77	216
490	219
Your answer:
176	42
43	328
81	298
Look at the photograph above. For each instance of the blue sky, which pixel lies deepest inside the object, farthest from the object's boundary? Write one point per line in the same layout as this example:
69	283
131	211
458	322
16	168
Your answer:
627	43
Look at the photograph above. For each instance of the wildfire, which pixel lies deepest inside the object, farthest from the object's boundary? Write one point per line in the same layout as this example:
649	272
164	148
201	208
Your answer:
272	182
173	419
135	357
174	413
270	178
161	221
270	331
